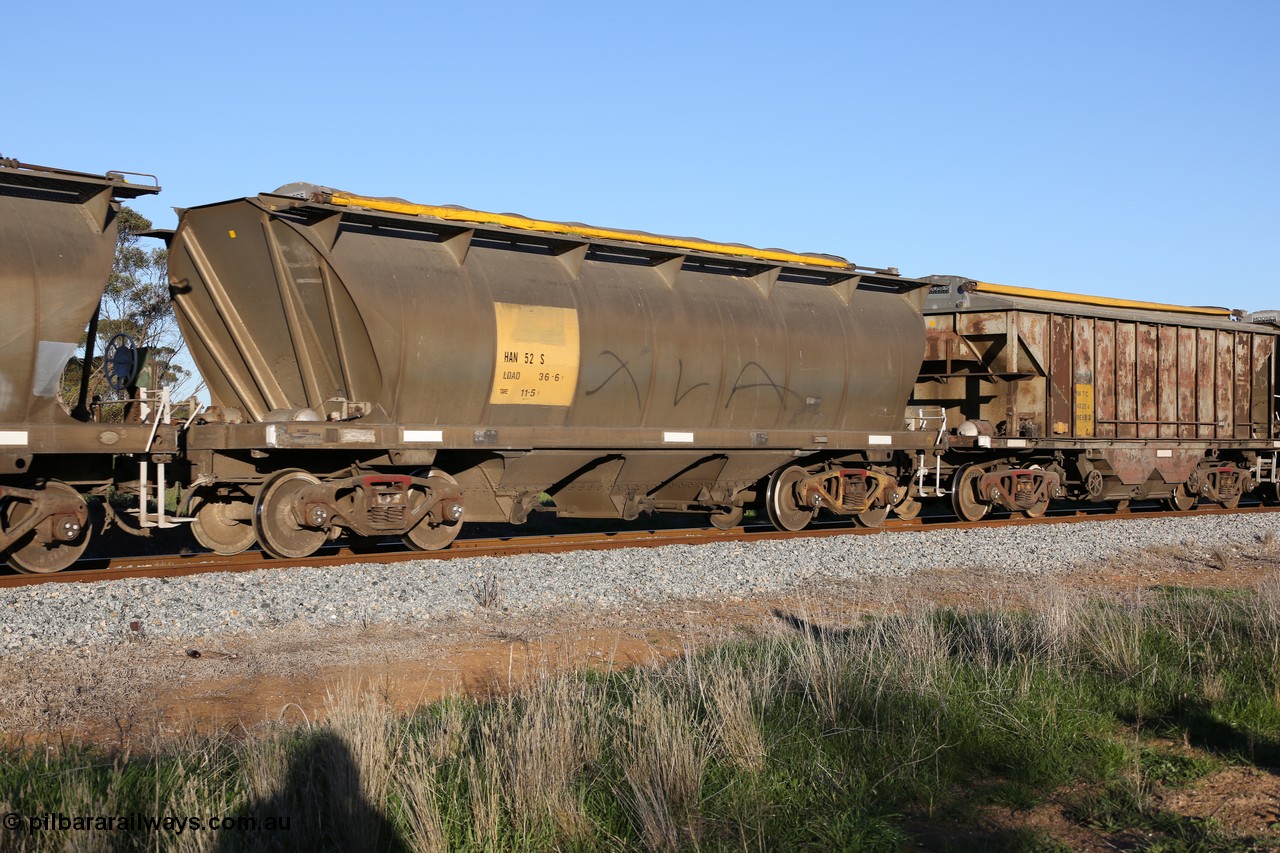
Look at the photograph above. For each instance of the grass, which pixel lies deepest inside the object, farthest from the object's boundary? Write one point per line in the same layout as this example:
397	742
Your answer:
814	738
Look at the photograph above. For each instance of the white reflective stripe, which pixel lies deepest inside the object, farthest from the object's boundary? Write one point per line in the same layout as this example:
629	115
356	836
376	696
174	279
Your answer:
1164	454
13	438
678	437
1015	442
1275	444
879	439
270	435
984	441
409	435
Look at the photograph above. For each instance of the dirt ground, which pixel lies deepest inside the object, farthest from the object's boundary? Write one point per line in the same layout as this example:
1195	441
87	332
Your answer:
147	692
1243	801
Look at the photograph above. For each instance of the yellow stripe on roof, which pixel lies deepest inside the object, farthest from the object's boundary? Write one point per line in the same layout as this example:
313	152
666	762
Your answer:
1107	301
524	223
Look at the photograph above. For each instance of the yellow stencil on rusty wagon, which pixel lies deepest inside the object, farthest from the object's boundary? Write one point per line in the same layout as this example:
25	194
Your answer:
537	357
1084	410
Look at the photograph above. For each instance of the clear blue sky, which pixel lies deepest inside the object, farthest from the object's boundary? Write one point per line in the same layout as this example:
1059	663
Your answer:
1125	148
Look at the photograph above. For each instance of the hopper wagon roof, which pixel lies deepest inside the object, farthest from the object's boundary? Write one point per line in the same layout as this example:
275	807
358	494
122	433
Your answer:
949	294
643	246
74	187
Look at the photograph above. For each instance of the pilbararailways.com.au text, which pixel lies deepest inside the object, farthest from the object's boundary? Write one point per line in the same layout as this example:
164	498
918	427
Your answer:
138	822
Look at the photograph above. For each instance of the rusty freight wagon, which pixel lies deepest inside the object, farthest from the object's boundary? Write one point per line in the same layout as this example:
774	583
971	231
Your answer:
57	243
384	368
1053	395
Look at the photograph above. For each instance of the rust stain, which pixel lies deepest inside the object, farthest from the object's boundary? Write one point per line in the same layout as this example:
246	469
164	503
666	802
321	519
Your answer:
1186	383
1167	383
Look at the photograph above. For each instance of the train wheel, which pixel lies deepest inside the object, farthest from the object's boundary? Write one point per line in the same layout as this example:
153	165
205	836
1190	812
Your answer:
430	534
1230	503
224	526
784	510
908	508
33	554
1269	494
964	494
1036	510
274	523
1182	499
727	519
871	517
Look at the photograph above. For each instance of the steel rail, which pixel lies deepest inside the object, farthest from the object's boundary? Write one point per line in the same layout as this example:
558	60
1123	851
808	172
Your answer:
121	568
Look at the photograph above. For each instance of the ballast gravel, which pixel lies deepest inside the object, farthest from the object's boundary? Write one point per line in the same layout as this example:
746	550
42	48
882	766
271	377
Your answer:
58	615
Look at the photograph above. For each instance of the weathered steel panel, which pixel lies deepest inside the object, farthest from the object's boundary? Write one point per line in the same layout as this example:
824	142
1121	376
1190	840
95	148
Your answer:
1262	393
1175	465
1031	406
1224	415
1243	385
1126	380
1104	395
1082	391
1206	350
1031	343
1033	335
1061	392
1186	383
1167	383
940	340
1133	465
979	324
1146	379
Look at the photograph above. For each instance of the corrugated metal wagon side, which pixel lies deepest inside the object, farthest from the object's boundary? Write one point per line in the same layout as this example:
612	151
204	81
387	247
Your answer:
429	358
1102	399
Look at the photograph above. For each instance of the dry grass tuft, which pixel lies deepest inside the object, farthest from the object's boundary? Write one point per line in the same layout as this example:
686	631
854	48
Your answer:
364	723
417	781
487	591
1112	636
1222	558
484	788
552	736
737	725
664	756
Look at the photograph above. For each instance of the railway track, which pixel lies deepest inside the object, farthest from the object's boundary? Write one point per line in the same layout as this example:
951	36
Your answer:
180	565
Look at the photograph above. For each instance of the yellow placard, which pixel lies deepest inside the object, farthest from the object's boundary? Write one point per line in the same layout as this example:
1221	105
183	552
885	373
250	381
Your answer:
537	357
1084	410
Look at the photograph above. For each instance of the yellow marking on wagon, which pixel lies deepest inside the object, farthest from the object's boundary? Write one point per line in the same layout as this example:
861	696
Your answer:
1105	301
1084	410
537	357
524	223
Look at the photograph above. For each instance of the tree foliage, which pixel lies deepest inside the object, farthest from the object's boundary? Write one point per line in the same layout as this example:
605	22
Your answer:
134	303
